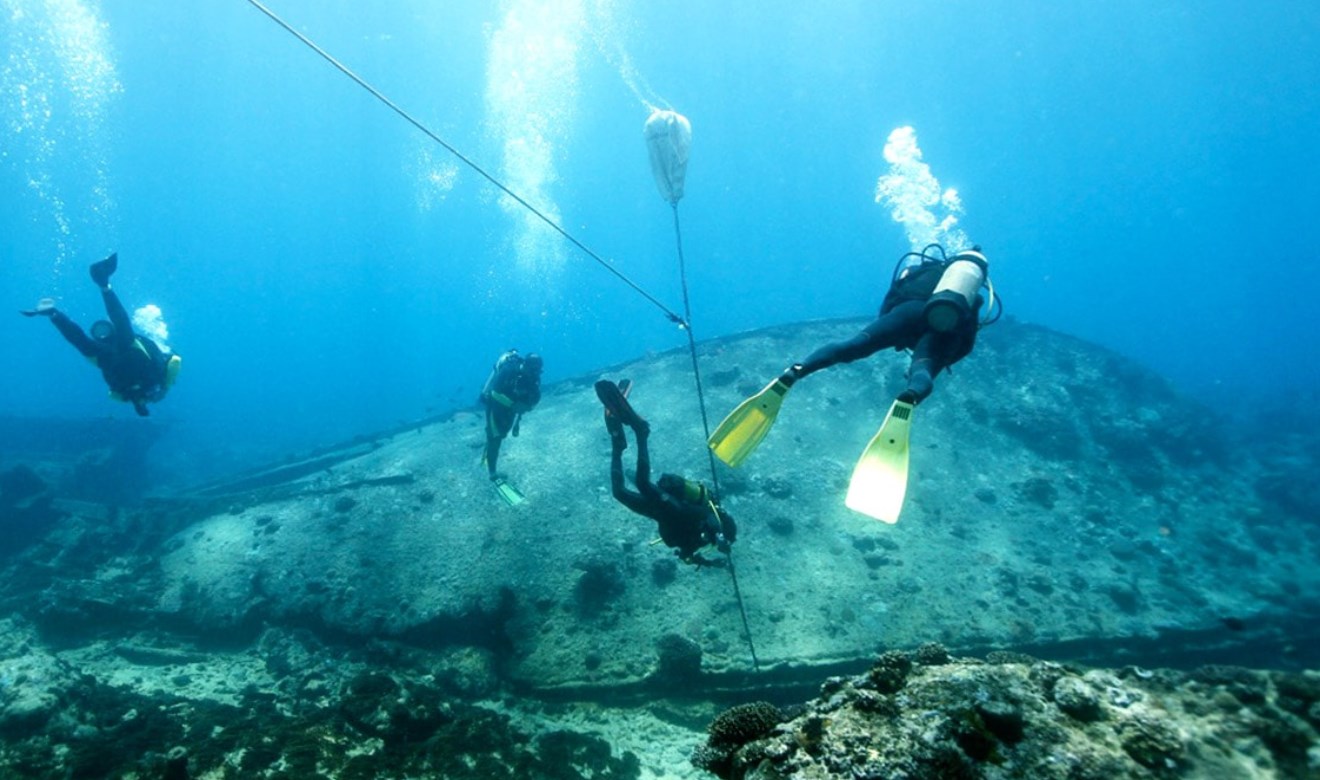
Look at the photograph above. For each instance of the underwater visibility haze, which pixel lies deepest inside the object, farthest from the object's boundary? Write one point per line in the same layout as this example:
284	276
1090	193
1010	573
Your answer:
1138	173
340	242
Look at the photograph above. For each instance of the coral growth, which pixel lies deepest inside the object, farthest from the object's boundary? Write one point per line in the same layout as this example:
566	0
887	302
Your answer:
731	729
943	718
678	659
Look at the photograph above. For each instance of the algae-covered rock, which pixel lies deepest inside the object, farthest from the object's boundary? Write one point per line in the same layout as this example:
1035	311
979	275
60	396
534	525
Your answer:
1057	493
1075	697
972	719
373	724
731	729
33	683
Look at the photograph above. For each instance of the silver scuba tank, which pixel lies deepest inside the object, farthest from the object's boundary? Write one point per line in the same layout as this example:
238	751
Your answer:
955	295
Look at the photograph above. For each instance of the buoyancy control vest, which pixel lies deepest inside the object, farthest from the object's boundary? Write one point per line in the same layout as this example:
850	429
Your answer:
914	283
144	372
512	384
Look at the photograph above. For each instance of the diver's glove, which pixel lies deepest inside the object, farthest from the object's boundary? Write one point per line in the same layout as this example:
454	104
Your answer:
701	561
141	409
45	308
722	544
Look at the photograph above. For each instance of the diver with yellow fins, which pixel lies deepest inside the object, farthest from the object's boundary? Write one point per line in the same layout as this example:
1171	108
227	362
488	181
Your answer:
933	309
137	369
690	520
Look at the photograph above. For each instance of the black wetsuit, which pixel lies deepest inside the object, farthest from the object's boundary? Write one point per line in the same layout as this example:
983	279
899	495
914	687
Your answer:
684	525
510	391
901	324
133	366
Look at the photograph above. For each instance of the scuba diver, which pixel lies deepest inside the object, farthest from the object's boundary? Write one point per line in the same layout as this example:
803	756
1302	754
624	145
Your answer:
690	520
138	370
512	389
932	308
935	318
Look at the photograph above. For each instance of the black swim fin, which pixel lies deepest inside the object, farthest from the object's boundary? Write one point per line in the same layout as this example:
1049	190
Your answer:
102	270
615	399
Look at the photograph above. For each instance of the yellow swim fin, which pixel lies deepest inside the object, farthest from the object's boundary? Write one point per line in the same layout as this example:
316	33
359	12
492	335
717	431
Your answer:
879	482
508	493
747	425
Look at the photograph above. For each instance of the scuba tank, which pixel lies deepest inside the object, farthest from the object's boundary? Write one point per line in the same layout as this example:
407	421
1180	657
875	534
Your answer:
688	490
956	293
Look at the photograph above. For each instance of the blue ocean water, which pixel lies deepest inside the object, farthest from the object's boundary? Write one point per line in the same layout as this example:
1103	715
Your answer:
1140	174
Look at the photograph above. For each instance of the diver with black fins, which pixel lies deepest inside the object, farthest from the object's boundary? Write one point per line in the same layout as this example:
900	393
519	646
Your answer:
689	518
137	370
512	389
